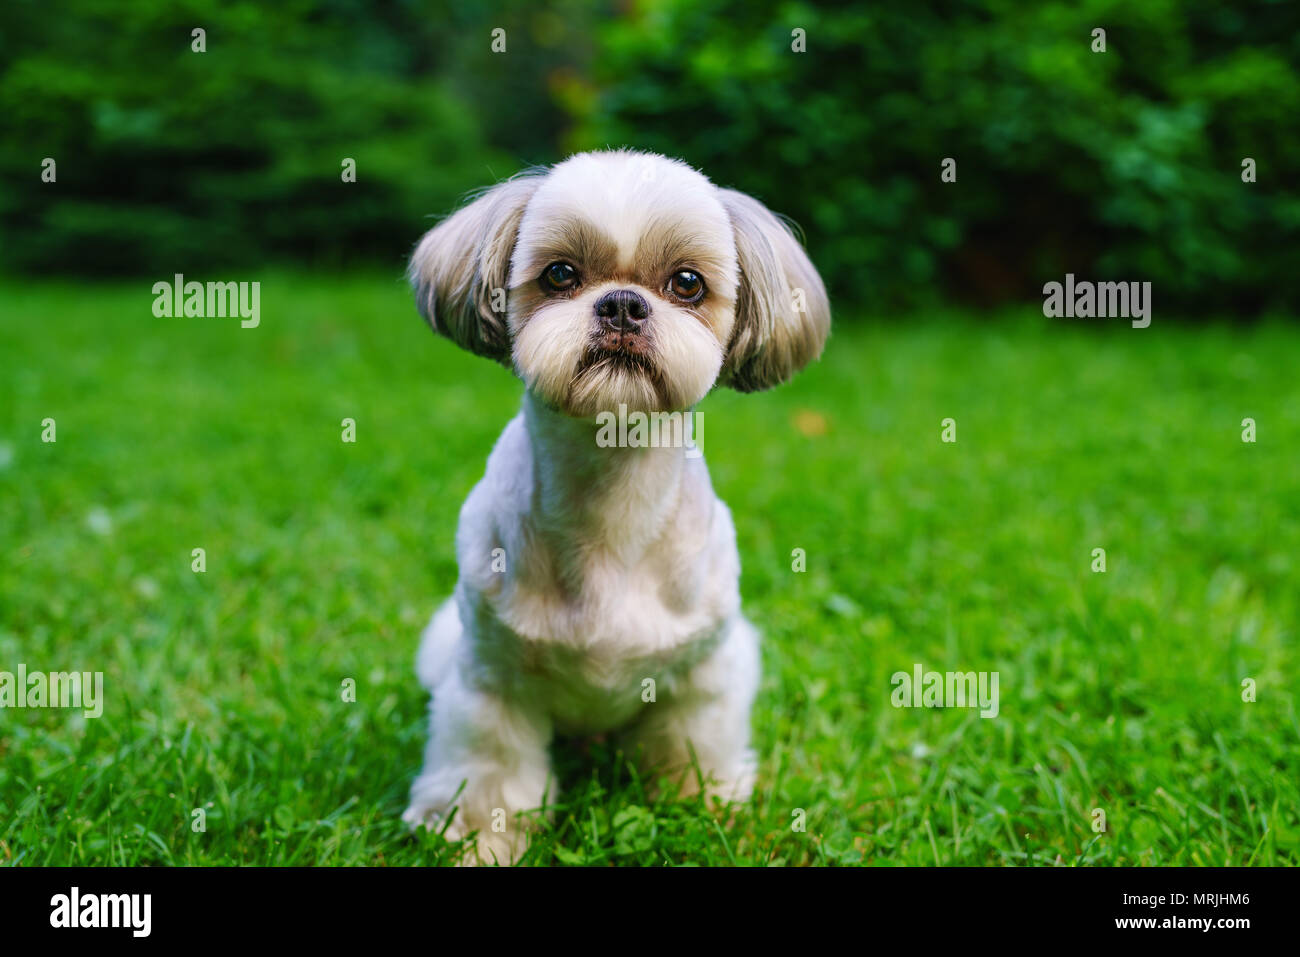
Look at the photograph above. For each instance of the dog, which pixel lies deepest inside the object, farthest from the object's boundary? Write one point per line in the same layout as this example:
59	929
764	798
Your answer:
589	574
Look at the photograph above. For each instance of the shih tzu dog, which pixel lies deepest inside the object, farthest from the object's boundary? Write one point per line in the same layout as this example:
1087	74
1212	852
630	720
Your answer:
614	279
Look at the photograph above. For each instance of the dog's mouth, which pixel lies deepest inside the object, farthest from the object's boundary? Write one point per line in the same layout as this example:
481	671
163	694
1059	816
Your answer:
626	351
616	368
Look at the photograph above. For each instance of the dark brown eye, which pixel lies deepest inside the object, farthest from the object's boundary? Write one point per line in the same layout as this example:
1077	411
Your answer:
687	285
559	277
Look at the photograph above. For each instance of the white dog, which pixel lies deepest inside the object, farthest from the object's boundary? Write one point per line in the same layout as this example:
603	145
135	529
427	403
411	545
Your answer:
613	278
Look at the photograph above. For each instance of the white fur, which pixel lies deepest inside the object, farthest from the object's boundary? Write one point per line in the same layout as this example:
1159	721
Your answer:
620	564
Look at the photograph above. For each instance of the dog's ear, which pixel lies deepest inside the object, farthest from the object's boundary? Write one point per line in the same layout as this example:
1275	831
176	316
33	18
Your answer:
782	313
461	266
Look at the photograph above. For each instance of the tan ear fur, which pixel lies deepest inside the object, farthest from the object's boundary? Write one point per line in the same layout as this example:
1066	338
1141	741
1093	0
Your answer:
460	268
782	313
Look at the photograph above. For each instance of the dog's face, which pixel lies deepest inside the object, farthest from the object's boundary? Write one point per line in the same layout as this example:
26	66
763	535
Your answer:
621	277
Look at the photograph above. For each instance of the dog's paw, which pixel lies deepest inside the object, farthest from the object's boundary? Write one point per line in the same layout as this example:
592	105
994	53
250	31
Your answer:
730	785
487	848
737	784
483	845
420	815
432	798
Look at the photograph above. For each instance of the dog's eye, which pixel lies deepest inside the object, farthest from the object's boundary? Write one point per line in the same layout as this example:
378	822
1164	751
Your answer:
687	285
559	277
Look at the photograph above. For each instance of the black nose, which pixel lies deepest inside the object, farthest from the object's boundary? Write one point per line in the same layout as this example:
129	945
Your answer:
622	310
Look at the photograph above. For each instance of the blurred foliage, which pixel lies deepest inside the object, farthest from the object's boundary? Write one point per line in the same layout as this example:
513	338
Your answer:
1117	165
174	160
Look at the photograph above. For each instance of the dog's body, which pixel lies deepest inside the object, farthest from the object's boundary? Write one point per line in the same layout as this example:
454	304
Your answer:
598	586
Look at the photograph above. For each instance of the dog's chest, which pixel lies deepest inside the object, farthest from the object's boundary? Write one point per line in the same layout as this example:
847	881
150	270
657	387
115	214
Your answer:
595	654
598	688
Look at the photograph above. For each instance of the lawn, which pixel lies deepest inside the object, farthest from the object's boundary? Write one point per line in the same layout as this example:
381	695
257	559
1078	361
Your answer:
1120	691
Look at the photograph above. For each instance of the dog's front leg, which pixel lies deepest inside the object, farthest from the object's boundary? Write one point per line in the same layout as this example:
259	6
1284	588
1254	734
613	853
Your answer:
707	715
495	748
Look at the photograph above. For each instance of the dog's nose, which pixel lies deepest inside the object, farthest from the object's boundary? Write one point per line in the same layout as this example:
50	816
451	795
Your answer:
622	310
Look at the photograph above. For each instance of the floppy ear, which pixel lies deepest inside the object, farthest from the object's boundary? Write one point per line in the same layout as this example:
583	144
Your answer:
782	313
461	266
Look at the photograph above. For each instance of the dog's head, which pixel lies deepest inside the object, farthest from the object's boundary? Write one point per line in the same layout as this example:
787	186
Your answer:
623	277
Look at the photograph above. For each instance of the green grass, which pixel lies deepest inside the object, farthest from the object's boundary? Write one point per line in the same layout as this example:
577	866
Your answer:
1119	691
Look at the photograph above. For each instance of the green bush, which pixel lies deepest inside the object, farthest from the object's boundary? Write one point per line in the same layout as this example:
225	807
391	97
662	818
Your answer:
170	159
1117	165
